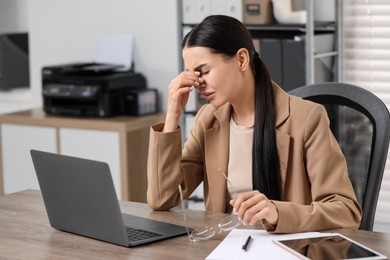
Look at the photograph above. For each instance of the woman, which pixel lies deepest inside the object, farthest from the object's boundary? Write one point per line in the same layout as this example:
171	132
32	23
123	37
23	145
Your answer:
277	150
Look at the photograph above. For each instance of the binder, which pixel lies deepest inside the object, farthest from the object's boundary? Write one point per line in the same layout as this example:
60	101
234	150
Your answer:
293	64
272	56
190	9
234	9
204	9
219	7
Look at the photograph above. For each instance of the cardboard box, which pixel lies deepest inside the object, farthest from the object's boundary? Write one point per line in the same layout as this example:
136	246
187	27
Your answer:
256	12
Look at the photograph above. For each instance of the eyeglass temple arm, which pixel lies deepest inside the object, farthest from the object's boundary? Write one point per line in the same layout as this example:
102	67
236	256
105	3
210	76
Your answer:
228	181
184	213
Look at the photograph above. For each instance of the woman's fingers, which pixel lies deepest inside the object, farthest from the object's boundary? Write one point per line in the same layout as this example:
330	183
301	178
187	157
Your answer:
182	85
253	206
178	94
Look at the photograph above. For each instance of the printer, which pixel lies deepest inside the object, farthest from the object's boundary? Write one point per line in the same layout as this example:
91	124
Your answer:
88	89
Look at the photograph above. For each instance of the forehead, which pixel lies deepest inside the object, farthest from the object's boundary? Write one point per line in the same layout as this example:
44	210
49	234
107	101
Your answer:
196	56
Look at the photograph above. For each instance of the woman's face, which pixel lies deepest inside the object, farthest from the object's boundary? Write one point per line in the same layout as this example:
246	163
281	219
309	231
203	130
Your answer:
221	76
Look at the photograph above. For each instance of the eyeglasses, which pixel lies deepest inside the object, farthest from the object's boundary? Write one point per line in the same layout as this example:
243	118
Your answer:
226	224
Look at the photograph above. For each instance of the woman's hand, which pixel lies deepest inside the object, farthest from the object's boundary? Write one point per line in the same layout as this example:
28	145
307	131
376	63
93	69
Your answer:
253	206
178	94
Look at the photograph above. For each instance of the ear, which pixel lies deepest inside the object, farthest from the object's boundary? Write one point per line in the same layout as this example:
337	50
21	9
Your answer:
243	59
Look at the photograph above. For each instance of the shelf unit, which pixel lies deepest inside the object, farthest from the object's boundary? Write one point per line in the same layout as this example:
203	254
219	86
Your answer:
310	55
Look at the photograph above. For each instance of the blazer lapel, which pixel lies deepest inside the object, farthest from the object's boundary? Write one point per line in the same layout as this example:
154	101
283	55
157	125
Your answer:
282	102
283	143
216	156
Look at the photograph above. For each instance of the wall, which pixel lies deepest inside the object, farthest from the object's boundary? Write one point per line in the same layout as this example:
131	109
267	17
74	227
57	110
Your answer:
13	18
65	31
13	15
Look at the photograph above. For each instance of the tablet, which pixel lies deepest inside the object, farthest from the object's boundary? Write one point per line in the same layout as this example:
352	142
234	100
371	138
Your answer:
334	246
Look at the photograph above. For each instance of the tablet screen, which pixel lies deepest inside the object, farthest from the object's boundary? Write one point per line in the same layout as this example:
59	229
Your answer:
330	247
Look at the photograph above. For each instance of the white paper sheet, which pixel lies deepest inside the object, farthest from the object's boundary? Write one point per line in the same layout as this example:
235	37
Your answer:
260	247
115	49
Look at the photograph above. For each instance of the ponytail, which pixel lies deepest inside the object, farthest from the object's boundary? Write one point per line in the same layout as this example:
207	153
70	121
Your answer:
266	165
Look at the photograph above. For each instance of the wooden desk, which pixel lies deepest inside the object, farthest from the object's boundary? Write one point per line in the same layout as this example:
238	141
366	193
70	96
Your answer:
121	141
26	234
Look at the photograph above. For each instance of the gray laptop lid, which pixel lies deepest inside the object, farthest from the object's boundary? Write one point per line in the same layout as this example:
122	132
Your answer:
80	198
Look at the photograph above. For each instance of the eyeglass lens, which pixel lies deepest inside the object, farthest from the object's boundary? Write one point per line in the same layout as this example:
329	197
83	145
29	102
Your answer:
226	224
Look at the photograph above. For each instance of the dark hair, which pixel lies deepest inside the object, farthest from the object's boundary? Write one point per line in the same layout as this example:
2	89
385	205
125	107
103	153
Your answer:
226	35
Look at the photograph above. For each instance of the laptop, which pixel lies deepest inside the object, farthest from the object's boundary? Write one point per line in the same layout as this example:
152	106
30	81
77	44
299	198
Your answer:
80	198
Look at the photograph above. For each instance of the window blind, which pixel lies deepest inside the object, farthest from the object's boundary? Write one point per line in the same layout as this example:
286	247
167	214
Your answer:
366	63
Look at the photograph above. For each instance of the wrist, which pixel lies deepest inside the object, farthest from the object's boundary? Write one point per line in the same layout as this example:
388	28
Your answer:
171	124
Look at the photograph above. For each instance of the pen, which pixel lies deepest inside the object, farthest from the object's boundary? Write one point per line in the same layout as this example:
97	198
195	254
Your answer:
245	246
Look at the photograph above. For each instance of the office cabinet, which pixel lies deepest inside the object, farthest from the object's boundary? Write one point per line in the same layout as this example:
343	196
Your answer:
16	142
122	142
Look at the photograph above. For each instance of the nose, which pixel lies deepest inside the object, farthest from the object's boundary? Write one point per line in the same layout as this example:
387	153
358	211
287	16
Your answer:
201	88
202	83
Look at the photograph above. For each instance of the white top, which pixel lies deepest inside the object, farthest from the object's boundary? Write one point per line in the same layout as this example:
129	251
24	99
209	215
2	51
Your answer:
240	158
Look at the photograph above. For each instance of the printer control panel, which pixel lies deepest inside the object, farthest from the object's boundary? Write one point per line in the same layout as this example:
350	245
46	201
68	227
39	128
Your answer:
70	90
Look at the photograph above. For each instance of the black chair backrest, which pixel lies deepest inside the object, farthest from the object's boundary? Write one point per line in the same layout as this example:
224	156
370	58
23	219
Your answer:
360	121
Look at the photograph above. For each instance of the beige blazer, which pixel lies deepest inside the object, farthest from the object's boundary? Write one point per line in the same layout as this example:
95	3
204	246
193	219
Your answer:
316	191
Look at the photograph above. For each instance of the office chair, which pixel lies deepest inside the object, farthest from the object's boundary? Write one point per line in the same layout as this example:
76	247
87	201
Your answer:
360	122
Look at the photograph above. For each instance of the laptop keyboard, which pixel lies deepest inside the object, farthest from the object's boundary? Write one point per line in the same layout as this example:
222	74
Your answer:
139	234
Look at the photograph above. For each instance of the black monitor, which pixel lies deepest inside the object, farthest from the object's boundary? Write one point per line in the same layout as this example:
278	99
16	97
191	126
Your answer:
14	61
